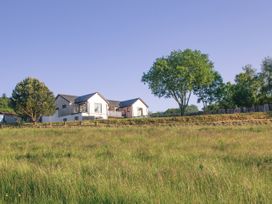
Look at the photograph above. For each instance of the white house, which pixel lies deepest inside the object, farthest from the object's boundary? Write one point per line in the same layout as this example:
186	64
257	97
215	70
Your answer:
129	108
71	108
94	106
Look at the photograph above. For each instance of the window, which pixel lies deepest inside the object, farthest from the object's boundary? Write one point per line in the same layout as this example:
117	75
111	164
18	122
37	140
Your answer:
98	108
76	118
83	108
64	106
140	112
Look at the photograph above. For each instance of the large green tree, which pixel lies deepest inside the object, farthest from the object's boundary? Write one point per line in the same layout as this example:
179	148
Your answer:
178	75
32	99
247	87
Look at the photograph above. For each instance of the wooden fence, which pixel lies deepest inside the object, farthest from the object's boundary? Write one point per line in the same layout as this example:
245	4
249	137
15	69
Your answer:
258	108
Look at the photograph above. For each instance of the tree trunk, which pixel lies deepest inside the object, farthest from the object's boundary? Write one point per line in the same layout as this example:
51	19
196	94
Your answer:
182	110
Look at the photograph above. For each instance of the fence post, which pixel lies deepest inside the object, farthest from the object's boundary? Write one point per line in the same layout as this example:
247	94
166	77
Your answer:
266	108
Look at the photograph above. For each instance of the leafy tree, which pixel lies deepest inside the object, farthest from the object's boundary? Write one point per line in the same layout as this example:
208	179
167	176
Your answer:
227	96
5	104
211	93
266	76
32	99
247	88
178	75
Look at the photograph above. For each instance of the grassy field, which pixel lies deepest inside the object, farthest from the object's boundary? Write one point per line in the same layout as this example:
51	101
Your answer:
197	164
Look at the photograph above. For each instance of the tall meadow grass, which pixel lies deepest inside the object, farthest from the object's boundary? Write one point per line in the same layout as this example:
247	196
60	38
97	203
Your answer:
197	164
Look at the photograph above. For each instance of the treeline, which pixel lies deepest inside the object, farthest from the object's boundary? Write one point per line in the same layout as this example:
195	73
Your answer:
176	76
250	88
186	72
190	110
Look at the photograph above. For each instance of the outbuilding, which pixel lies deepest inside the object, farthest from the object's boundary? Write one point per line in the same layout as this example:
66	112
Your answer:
8	118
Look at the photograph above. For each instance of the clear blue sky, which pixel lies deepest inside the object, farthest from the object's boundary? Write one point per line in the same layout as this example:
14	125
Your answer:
78	47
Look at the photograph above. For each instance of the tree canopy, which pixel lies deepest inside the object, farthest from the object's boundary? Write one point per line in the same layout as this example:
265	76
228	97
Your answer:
266	76
211	93
178	75
32	99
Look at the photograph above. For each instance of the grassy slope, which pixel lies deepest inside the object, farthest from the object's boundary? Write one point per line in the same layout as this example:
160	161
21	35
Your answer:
145	165
211	120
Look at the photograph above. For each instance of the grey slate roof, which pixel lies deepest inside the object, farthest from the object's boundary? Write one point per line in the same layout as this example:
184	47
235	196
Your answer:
114	103
127	102
69	98
122	104
84	98
7	113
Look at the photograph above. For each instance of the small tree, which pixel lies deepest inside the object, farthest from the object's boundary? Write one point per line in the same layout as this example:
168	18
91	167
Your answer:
5	104
32	99
178	75
266	76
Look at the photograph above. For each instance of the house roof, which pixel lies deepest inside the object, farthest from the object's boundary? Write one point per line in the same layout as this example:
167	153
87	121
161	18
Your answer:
68	98
114	103
84	98
128	102
122	104
7	113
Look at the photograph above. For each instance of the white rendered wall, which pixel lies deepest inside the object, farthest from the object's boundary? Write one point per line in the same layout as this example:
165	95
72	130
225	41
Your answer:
55	118
97	99
136	105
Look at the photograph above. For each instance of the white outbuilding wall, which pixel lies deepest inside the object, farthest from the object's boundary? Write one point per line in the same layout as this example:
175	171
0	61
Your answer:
136	106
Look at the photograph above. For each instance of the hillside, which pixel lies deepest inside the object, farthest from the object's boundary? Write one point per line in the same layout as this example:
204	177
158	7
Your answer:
211	120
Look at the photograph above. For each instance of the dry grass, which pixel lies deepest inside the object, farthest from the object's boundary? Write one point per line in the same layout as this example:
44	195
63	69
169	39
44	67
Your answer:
207	120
